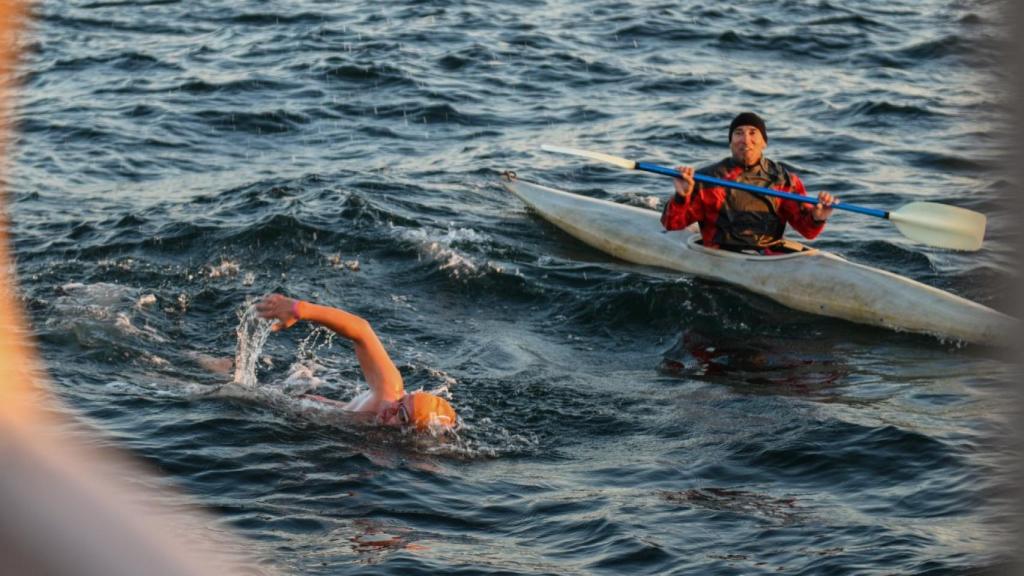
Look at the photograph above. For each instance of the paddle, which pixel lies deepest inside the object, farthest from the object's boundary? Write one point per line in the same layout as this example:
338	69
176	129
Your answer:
934	224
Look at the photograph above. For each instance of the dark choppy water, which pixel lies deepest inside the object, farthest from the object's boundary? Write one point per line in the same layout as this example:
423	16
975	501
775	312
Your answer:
177	159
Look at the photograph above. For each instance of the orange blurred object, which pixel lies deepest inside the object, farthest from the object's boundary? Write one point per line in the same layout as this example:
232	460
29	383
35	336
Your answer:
68	507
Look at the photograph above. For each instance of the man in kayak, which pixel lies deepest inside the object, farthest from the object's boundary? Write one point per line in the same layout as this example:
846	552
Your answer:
736	219
386	399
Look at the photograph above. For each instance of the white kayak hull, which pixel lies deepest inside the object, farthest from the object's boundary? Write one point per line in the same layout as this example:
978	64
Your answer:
812	281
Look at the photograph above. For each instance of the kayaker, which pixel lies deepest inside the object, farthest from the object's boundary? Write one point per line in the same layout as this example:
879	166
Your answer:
386	398
738	220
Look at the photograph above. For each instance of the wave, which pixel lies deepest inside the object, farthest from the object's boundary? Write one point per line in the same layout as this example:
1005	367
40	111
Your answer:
276	19
946	162
142	25
872	108
246	86
377	75
470	57
433	114
647	32
448	250
798	46
857	22
934	49
267	122
131	62
124	3
855	457
979	52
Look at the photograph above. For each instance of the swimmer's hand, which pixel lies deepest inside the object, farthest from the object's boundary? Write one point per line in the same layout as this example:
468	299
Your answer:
280	308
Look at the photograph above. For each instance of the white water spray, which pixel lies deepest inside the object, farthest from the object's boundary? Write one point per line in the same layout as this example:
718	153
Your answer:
252	334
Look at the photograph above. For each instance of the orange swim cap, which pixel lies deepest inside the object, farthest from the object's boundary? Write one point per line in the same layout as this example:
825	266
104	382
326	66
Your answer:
426	408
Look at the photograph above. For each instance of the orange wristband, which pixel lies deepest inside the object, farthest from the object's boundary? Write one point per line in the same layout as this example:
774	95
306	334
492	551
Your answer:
295	309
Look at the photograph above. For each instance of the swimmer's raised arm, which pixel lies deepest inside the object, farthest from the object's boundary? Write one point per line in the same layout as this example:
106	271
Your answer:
378	369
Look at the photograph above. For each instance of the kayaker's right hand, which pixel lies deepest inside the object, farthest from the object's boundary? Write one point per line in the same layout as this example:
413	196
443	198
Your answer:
684	183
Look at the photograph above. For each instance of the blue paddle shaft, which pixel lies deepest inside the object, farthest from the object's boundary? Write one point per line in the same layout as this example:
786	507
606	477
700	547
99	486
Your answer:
648	167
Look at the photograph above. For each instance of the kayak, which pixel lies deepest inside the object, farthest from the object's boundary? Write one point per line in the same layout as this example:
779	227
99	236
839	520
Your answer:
806	279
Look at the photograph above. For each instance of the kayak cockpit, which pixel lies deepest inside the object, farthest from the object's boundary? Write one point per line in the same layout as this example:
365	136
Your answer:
790	248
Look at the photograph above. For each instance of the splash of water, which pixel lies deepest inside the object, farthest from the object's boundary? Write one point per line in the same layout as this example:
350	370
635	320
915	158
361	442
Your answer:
252	333
301	379
443	248
318	339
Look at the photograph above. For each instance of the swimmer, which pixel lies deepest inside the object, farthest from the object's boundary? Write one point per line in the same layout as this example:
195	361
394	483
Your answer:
386	399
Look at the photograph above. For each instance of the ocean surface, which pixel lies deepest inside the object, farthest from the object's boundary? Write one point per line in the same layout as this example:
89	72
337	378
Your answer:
177	160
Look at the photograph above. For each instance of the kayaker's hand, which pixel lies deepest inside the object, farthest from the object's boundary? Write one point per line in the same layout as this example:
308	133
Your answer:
823	209
684	184
280	308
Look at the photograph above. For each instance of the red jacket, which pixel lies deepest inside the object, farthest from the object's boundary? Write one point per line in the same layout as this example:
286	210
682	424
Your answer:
735	219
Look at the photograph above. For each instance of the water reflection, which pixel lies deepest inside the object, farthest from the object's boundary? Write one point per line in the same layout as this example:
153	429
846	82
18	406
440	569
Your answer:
755	363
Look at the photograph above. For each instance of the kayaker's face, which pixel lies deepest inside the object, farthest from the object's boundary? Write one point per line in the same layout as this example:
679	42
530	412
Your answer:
746	144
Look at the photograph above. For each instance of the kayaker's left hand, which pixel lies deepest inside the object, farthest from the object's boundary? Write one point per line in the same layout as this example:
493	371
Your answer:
823	209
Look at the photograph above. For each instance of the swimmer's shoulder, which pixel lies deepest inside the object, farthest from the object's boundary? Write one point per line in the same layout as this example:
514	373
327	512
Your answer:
365	401
324	400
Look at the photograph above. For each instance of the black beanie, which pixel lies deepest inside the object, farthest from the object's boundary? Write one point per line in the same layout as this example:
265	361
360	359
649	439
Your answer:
748	119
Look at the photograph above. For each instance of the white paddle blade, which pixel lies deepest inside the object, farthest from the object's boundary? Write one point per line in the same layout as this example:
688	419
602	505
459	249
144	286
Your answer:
620	162
940	225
